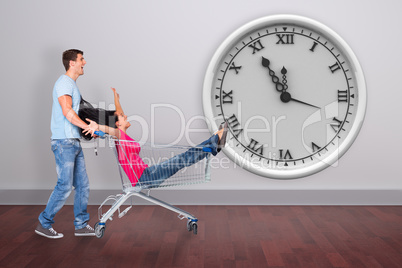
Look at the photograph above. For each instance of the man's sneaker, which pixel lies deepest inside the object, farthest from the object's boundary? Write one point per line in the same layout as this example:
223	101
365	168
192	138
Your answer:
86	231
49	233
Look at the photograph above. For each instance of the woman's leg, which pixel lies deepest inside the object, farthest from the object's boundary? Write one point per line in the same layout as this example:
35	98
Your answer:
154	175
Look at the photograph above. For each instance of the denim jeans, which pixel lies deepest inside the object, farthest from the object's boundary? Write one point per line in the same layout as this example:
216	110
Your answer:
71	171
154	175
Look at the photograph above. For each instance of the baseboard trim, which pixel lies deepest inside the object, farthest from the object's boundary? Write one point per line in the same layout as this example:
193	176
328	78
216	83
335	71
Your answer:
224	197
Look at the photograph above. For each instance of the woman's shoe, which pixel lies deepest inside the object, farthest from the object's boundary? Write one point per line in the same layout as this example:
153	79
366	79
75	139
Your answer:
222	140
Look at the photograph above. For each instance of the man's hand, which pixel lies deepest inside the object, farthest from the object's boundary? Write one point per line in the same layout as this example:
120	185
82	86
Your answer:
91	128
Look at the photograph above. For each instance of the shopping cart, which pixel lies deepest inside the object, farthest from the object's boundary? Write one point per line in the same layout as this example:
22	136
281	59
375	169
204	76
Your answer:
151	155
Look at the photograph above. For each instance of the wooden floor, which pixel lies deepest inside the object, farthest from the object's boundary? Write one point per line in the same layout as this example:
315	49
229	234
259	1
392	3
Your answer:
228	236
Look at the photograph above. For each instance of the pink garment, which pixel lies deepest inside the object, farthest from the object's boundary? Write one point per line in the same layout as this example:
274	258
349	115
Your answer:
128	154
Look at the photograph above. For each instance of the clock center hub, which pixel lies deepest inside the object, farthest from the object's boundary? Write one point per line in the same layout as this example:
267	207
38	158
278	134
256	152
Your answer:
285	97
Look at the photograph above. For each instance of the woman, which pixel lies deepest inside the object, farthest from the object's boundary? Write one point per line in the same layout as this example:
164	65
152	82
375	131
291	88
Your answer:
128	150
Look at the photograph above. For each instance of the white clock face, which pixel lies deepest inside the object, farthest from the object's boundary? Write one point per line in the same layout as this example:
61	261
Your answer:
292	92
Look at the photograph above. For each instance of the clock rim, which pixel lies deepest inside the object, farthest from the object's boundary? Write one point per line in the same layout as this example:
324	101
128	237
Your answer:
338	42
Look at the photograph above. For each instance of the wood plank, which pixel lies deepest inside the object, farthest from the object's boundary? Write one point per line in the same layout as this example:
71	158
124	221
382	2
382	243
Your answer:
228	236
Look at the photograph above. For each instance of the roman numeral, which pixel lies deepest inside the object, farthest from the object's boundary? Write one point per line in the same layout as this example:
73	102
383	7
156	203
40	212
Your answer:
334	67
255	147
313	47
256	46
227	97
234	125
315	147
286	156
285	39
234	67
336	125
233	122
342	96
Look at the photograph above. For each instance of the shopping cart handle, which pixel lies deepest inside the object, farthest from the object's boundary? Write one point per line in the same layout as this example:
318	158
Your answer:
100	133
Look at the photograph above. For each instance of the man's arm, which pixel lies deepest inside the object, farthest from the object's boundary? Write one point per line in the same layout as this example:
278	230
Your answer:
66	103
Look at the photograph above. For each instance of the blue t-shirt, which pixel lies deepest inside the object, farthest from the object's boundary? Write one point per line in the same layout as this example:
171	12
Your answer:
60	126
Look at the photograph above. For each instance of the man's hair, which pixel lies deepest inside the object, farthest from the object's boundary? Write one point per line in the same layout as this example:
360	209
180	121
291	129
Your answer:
70	54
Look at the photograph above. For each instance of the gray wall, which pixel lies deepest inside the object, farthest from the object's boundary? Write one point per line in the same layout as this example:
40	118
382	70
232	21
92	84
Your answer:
156	53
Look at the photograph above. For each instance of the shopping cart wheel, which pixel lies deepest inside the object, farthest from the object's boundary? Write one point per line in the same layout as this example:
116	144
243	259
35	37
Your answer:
195	227
192	226
99	230
189	225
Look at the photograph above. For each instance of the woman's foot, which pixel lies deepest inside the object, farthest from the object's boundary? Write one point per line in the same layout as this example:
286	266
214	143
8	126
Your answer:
222	133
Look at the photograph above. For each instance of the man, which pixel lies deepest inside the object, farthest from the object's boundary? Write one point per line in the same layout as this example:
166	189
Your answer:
70	163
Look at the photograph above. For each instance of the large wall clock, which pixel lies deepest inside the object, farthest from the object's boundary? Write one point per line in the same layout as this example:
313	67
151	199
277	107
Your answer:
293	94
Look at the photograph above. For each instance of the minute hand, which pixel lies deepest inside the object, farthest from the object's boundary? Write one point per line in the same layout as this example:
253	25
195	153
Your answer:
278	85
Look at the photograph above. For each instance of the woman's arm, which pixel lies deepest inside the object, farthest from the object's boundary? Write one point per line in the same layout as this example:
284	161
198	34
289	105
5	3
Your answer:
119	109
111	131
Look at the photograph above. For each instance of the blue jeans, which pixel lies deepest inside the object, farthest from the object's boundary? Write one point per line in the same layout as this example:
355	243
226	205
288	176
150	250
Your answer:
154	175
71	171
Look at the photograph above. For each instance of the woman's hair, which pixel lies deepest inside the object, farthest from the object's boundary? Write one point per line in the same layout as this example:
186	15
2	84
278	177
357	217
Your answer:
99	115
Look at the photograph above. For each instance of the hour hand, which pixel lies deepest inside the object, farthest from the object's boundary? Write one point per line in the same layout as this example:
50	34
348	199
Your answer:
278	85
284	81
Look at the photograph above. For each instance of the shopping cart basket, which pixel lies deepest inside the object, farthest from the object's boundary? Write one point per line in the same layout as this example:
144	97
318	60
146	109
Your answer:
151	155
